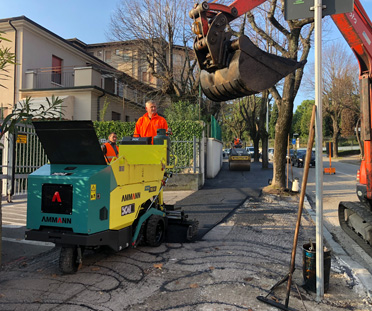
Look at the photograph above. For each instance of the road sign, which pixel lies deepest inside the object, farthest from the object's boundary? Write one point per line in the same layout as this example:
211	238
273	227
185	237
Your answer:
296	9
293	141
22	138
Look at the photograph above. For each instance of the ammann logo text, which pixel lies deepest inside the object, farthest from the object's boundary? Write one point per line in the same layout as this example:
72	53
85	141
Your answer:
57	220
131	196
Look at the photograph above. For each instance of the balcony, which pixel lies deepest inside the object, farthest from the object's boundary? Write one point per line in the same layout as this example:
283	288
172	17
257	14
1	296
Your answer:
69	77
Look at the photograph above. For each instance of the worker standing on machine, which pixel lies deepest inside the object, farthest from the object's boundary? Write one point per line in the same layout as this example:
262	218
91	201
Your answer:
237	143
150	122
110	149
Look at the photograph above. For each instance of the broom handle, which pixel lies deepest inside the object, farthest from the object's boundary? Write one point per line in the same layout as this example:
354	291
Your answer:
301	203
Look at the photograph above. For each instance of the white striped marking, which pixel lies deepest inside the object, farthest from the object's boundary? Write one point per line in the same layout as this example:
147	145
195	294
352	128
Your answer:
23	241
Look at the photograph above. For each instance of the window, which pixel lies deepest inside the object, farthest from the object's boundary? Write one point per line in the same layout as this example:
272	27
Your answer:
99	54
115	116
107	56
127	119
56	69
126	56
117	52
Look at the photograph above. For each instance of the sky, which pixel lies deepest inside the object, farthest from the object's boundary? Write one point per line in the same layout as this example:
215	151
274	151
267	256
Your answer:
88	20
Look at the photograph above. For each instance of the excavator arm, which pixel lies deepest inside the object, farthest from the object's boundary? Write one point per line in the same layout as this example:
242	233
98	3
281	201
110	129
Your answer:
233	68
356	27
356	217
236	68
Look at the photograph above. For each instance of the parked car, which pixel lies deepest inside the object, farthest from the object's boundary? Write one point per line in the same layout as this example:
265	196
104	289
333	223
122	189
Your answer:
270	154
250	151
291	154
299	157
226	152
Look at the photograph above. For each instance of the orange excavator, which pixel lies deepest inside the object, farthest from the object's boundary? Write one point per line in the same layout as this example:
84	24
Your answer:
235	68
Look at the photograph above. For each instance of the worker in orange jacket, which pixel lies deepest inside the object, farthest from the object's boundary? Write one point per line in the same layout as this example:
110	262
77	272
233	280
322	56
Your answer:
110	149
150	122
237	143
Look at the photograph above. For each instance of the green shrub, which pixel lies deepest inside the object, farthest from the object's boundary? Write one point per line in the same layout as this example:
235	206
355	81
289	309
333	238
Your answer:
182	130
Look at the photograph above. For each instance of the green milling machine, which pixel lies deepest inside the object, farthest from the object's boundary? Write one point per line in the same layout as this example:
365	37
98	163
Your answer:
78	201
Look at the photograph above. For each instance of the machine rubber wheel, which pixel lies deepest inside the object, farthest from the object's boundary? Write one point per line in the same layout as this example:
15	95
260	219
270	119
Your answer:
155	230
68	259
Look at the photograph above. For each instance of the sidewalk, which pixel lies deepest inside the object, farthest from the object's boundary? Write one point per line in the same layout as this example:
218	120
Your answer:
235	262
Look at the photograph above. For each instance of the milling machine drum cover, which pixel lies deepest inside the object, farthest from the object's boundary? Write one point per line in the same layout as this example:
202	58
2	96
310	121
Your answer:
250	71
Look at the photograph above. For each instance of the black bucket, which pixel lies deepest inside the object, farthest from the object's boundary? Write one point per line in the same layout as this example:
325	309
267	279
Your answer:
309	267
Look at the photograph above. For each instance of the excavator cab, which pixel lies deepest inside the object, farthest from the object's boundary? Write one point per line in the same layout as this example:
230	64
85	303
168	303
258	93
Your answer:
232	68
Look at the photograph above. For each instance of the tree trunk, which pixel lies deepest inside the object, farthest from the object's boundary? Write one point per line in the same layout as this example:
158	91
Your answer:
256	142
265	143
264	135
282	128
335	135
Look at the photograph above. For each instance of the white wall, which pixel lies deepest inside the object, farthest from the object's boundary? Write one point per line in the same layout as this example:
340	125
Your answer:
214	157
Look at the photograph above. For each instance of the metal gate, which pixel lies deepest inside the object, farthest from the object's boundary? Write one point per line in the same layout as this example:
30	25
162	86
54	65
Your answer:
20	157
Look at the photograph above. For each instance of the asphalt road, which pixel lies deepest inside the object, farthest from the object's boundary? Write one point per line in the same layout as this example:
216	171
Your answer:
336	188
221	195
233	264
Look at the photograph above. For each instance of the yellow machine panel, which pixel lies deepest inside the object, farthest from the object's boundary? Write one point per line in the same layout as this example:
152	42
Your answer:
125	202
139	163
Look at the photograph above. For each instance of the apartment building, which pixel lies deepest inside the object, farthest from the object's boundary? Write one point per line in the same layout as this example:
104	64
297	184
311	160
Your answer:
50	65
128	57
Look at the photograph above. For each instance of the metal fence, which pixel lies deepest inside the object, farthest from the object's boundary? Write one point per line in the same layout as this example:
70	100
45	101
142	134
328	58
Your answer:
187	154
25	155
21	157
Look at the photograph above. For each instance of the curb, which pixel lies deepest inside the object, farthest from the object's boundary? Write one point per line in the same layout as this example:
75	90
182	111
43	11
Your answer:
363	279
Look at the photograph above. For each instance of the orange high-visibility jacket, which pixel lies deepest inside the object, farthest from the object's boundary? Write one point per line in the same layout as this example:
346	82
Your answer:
111	152
146	127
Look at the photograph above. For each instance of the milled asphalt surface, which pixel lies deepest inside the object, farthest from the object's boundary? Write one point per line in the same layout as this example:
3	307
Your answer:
226	269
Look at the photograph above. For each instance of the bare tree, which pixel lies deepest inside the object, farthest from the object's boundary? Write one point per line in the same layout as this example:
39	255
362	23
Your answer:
249	107
291	40
339	87
232	120
160	30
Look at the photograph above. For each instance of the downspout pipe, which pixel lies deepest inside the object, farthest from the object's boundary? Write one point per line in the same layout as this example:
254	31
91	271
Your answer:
15	63
98	104
11	153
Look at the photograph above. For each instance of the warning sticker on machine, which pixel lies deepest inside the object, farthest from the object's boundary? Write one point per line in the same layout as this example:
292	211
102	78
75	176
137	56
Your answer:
93	192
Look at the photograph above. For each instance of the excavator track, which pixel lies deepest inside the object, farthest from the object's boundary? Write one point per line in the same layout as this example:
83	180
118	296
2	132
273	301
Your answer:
356	220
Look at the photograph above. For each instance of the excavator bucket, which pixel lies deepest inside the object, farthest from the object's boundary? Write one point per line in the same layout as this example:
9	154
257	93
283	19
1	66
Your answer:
249	71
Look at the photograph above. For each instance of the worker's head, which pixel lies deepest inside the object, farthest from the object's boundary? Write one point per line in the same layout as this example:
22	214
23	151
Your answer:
151	108
112	137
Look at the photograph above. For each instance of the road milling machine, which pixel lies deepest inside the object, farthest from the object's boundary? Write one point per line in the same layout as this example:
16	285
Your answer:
78	201
234	68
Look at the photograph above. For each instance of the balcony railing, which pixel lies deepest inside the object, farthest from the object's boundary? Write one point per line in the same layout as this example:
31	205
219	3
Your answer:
47	78
54	80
